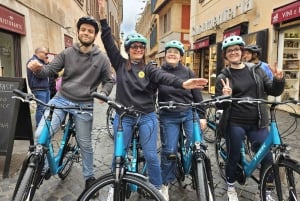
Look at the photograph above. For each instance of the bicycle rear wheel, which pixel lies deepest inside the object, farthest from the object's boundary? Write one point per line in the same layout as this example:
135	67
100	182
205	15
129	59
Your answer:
221	154
289	180
209	132
110	115
70	154
103	185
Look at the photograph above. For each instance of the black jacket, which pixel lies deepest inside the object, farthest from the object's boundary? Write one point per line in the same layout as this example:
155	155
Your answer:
264	86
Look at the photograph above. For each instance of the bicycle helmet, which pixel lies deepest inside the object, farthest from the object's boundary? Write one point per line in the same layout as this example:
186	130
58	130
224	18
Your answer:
175	44
253	49
232	40
135	37
88	20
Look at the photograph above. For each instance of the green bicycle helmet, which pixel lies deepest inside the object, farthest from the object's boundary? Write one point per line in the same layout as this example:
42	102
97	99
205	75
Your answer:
88	20
135	37
253	49
232	40
175	44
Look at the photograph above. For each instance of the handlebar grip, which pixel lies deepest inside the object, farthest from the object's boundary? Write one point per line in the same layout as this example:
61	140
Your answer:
100	96
22	94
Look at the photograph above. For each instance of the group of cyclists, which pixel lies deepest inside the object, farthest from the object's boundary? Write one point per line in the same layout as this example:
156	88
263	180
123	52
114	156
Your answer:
137	83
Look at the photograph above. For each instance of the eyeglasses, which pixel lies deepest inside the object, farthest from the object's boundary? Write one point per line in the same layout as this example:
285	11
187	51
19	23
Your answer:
229	51
136	47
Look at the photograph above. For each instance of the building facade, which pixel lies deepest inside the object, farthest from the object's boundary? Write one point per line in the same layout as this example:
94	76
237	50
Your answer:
275	27
26	25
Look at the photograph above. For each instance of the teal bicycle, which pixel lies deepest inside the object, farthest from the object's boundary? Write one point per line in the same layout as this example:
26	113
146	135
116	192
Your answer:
281	179
193	159
60	163
126	179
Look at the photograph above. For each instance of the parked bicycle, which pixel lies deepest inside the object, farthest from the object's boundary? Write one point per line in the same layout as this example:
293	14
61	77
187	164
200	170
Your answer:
192	159
126	179
281	179
59	162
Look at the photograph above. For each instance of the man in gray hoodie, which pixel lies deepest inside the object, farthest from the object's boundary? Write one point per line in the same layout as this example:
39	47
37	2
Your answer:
85	67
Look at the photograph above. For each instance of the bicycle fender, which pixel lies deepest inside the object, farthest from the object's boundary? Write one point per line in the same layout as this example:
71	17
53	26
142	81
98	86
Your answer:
135	174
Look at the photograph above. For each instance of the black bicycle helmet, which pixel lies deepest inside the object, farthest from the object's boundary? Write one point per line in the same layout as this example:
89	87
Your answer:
253	49
88	20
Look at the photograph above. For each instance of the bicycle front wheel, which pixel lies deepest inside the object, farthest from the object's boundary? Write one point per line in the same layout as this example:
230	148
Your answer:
27	187
200	181
289	182
110	115
104	186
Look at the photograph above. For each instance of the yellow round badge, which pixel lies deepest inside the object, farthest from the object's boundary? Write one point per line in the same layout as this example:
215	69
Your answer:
141	74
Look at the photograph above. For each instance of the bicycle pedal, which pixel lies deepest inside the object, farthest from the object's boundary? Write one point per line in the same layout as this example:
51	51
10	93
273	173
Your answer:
172	157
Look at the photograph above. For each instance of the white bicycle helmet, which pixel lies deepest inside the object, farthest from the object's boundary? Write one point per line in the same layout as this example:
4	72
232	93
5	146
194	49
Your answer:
232	40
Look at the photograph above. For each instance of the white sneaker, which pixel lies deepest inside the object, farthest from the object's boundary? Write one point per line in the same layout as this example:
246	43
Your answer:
165	191
232	195
110	195
269	196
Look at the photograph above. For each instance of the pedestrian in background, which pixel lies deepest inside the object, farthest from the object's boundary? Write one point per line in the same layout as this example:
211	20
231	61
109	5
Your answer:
244	80
136	86
251	54
170	119
85	67
39	86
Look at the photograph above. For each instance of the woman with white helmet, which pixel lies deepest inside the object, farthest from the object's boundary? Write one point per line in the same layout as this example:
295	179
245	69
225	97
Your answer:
171	120
244	80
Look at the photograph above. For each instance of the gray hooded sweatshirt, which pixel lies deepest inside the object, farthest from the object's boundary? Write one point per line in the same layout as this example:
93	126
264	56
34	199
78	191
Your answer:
83	72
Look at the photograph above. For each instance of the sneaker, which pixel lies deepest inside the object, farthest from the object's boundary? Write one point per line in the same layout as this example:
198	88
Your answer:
110	195
89	182
232	195
165	191
269	196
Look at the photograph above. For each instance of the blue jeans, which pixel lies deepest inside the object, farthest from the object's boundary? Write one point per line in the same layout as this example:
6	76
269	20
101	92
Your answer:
234	137
43	95
83	126
148	127
170	124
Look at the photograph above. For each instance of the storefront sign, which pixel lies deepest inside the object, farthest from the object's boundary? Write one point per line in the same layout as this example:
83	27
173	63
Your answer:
285	13
223	16
236	31
201	43
12	21
68	41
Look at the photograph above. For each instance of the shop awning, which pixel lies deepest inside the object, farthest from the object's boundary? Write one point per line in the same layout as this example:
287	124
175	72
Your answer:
201	43
285	13
12	21
235	31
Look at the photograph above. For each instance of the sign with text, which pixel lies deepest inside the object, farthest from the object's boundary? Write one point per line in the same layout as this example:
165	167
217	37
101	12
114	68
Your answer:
286	13
15	119
12	21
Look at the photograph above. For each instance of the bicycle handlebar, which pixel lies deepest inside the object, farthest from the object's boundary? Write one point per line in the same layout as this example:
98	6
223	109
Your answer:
127	110
257	100
173	104
26	97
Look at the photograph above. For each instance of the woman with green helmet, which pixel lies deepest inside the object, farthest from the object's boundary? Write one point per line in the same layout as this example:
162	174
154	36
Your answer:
170	119
136	86
239	80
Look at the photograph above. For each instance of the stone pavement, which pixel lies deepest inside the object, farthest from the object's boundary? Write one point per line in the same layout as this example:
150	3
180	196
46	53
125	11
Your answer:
67	190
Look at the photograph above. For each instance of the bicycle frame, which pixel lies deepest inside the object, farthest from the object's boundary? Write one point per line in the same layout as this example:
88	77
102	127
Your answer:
272	139
197	139
45	140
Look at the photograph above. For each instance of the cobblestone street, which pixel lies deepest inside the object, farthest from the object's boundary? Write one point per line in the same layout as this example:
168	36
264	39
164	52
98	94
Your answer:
69	189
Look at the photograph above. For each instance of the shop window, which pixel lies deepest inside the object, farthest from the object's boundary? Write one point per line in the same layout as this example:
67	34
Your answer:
7	64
